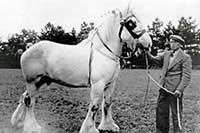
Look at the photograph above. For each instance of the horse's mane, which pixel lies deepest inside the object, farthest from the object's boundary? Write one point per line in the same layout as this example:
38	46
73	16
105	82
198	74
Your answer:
121	13
106	18
112	15
97	25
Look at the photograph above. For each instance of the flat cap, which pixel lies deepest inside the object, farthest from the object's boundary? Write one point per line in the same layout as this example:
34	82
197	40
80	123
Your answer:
178	38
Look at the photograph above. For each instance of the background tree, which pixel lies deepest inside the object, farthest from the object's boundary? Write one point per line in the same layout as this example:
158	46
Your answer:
57	34
169	30
188	30
85	30
19	41
12	49
155	31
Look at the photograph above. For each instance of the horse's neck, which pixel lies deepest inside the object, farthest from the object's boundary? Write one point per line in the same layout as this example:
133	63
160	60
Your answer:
109	35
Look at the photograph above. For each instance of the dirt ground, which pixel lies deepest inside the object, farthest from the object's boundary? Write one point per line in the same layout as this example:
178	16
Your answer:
63	109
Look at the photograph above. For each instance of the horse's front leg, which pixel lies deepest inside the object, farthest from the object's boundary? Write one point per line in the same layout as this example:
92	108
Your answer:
24	117
96	94
107	122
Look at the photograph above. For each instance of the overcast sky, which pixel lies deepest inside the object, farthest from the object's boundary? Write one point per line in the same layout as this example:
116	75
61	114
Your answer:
34	14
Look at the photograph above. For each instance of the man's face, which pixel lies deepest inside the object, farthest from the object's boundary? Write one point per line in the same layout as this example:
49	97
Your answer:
174	44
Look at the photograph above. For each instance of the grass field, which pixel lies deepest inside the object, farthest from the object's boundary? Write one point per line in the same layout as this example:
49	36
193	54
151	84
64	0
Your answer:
63	109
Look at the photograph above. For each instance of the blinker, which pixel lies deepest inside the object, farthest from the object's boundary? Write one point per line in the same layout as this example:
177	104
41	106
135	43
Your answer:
130	25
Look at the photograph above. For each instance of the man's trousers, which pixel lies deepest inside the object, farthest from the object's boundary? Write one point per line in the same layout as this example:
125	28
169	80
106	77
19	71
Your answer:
165	103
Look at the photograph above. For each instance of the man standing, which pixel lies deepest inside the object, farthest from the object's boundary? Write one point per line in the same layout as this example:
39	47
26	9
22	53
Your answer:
175	78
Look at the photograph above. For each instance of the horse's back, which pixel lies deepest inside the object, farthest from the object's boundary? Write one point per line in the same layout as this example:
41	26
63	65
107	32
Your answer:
46	57
42	50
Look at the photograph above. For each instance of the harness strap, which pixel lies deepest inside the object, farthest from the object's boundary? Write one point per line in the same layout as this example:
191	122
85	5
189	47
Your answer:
90	64
120	32
106	46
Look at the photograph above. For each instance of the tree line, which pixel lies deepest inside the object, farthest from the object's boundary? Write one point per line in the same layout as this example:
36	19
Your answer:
11	50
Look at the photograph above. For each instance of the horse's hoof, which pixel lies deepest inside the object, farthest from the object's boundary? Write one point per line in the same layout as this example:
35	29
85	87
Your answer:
17	125
35	128
108	131
108	128
92	130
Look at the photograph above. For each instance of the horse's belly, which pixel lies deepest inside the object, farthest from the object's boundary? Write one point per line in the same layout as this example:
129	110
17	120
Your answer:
74	75
72	68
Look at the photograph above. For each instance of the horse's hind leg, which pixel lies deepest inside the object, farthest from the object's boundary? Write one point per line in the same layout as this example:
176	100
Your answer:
24	114
107	122
18	116
96	94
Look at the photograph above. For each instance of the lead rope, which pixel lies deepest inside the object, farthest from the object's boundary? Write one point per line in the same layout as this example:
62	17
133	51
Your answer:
148	73
150	77
178	115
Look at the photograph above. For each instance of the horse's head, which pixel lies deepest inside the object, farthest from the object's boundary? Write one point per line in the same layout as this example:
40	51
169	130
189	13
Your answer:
132	31
122	27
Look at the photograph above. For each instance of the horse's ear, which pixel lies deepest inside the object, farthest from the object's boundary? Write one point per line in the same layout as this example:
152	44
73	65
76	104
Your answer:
127	8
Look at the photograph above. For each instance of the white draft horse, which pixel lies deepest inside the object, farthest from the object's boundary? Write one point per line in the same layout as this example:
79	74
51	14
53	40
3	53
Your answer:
93	63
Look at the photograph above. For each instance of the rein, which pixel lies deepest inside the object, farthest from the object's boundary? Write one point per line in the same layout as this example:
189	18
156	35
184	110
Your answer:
148	73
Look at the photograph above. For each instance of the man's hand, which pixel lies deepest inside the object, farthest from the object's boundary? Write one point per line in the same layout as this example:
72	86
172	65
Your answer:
139	45
177	94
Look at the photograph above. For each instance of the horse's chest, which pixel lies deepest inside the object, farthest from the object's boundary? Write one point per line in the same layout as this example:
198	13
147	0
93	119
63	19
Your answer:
103	69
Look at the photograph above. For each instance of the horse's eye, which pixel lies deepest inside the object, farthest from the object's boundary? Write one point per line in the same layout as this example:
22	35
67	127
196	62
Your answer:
122	22
134	23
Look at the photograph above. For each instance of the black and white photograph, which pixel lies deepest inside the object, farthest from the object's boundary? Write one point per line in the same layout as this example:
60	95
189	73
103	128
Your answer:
100	66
